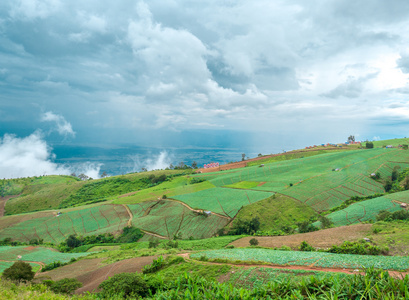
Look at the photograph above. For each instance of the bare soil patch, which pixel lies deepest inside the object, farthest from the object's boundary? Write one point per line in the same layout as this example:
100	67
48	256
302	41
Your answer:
319	239
91	280
262	183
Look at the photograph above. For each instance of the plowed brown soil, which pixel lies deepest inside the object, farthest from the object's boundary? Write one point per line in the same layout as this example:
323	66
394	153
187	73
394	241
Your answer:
319	239
91	272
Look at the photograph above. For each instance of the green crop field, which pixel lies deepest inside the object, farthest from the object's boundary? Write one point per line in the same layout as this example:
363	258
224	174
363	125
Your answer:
36	254
170	218
368	210
224	201
318	259
321	181
89	221
255	277
177	186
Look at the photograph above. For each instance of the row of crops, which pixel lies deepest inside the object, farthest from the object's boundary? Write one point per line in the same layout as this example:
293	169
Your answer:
316	259
170	218
225	201
322	182
55	229
36	254
368	209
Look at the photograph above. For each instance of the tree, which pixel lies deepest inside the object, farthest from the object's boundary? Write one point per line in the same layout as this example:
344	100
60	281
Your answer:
395	173
19	271
325	222
194	165
73	241
369	145
243	156
104	174
351	138
388	185
406	183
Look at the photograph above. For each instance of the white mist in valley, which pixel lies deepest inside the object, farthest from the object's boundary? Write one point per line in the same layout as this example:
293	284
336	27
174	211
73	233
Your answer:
31	156
159	161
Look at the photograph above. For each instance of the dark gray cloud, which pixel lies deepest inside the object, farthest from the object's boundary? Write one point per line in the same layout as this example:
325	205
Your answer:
138	67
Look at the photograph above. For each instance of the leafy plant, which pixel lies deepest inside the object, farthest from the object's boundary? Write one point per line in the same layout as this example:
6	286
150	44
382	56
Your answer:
253	242
66	286
19	271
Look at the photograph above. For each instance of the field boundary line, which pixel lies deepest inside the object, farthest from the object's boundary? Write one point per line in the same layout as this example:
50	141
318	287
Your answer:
194	210
129	223
154	234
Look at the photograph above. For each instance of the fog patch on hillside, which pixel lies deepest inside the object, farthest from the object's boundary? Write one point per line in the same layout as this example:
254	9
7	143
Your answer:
32	156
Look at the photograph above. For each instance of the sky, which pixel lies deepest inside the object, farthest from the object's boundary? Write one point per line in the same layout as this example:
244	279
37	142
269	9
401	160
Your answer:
263	73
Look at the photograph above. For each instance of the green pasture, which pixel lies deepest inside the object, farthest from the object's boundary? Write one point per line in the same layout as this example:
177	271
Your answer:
368	210
392	142
37	254
300	258
177	186
244	185
276	212
55	229
170	218
224	201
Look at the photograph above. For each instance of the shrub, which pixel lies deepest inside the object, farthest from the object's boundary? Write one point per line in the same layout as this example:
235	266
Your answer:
153	244
369	145
306	247
19	271
124	285
156	265
253	242
66	286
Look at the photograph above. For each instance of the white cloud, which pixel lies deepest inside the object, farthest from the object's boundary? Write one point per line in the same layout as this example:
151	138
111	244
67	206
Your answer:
31	156
31	9
62	126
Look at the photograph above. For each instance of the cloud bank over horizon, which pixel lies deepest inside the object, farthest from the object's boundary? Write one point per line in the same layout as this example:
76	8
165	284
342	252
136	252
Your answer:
139	72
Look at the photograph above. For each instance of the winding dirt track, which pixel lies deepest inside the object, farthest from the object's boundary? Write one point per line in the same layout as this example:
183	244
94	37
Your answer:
3	201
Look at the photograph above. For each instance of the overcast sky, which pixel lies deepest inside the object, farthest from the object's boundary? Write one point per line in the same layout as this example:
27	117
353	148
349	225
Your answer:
271	72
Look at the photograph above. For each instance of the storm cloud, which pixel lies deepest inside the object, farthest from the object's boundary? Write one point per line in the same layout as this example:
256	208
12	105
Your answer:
123	71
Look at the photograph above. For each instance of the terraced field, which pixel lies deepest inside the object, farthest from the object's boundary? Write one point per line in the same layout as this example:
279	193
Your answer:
224	201
170	218
55	229
322	182
316	259
368	209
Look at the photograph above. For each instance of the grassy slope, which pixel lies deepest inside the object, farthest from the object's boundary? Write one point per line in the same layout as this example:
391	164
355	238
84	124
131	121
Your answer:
393	142
276	212
50	192
368	210
393	235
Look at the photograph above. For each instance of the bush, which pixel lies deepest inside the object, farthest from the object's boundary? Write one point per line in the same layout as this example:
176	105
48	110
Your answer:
253	242
369	145
362	248
306	247
124	285
156	265
66	286
153	244
19	271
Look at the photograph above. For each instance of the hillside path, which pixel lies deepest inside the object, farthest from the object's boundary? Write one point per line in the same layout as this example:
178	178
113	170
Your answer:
130	215
154	234
195	210
3	201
